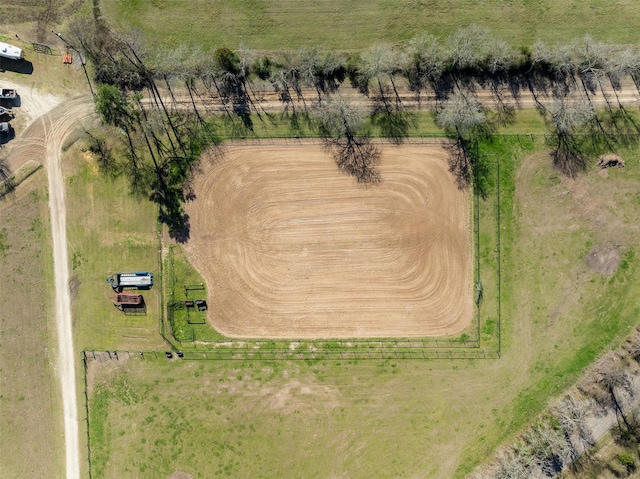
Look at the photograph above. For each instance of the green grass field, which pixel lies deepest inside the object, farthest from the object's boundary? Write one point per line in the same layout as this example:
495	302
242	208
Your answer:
109	231
31	439
397	418
281	126
354	24
183	283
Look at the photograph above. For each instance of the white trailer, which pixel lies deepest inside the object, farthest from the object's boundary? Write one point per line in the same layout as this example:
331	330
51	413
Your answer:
141	280
9	51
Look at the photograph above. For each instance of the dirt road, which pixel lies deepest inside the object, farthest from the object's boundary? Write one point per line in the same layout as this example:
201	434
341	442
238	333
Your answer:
42	141
58	124
268	100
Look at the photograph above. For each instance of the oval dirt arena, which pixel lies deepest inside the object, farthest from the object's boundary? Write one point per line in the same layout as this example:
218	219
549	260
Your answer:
292	248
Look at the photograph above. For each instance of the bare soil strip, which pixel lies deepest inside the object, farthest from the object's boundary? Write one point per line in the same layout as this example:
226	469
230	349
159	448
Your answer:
42	141
58	124
290	248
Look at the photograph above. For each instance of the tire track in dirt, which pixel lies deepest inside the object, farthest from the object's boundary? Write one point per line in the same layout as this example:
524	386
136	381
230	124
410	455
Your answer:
33	105
291	248
269	101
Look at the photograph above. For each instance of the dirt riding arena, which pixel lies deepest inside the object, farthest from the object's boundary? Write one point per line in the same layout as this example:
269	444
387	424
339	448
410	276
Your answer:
292	248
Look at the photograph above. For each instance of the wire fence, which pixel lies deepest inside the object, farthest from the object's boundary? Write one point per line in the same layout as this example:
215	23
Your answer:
336	344
231	354
498	252
303	348
86	412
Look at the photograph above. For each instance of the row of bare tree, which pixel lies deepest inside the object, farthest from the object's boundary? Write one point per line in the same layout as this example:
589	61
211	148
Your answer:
565	432
192	98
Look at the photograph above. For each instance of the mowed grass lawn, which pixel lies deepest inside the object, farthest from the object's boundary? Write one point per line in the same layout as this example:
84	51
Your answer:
31	429
153	417
109	231
356	24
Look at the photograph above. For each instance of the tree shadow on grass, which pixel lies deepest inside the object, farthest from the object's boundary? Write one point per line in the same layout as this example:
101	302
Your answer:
180	230
7	185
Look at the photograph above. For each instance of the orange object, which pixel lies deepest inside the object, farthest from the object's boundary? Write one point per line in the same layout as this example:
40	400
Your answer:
67	59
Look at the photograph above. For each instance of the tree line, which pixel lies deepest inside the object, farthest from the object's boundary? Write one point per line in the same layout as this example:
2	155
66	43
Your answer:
561	436
166	128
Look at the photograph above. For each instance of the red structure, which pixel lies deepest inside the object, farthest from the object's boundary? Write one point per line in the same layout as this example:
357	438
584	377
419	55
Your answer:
127	300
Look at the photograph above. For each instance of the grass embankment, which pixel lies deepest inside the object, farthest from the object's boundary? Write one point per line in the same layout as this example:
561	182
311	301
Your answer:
18	178
109	231
350	25
525	122
31	441
394	419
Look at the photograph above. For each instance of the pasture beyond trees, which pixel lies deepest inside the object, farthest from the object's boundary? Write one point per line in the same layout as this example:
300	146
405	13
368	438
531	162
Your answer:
354	25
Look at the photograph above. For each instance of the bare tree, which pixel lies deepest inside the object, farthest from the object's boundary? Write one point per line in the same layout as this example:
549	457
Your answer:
566	116
425	57
286	79
323	71
379	65
474	48
556	59
634	347
463	118
341	124
509	466
572	415
550	450
616	379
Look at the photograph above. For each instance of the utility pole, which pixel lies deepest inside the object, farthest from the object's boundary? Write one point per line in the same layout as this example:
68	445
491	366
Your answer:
82	60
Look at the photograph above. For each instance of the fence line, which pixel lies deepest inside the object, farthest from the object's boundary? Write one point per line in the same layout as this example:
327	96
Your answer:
476	217
86	410
345	345
328	344
499	324
291	355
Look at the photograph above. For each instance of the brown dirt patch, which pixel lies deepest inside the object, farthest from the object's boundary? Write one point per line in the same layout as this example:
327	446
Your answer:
291	248
604	259
180	475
